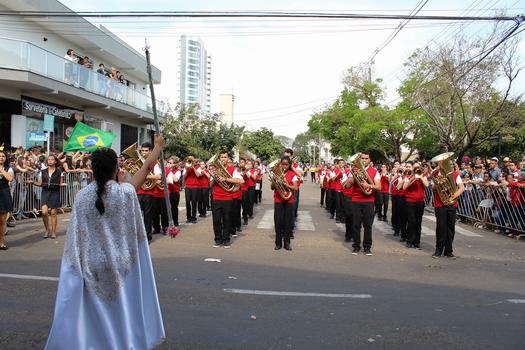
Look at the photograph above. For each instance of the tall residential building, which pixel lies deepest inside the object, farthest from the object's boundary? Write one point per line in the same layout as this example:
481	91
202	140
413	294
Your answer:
194	74
226	108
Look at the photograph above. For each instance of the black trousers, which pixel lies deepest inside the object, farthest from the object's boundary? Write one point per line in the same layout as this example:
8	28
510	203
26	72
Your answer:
333	201
258	193
348	217
415	211
191	203
394	219
382	204
445	228
282	218
363	214
236	215
174	202
202	199
245	204
221	213
328	198
323	192
340	206
403	218
251	200
312	175
146	204
159	211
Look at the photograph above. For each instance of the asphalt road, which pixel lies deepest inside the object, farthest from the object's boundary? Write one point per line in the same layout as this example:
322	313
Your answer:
397	299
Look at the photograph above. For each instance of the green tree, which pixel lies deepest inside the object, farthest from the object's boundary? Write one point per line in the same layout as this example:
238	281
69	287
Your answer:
263	143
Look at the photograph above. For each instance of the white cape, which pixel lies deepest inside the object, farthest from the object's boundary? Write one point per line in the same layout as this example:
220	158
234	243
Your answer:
107	297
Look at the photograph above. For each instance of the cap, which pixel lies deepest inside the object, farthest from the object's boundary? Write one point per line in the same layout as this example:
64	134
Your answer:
506	159
494	158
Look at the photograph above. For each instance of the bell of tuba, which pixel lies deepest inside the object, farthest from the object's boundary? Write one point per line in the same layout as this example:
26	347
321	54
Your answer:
217	170
134	162
360	174
276	176
444	183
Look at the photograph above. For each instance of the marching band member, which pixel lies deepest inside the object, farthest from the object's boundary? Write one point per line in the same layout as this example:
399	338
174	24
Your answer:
383	195
283	209
446	216
245	201
395	175
237	197
363	206
223	202
191	183
203	189
159	209
330	194
145	197
347	192
251	176
402	201
258	182
299	173
338	191
320	179
173	180
415	185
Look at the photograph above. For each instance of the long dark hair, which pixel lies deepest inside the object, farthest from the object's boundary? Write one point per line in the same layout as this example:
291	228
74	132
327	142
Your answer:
104	163
6	163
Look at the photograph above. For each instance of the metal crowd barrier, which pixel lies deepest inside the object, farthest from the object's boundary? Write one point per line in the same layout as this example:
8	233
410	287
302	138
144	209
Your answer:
26	195
488	207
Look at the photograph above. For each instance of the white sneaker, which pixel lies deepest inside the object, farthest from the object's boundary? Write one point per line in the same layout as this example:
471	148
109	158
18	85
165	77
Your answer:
227	246
215	245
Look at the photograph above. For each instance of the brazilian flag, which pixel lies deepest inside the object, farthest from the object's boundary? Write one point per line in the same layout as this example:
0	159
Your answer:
87	139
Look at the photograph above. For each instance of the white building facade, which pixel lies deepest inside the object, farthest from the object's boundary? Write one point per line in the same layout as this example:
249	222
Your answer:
194	74
226	108
36	81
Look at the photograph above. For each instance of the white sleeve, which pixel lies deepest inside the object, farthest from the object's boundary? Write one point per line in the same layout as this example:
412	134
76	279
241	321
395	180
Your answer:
177	175
169	178
157	170
295	179
459	181
236	174
10	171
344	178
377	177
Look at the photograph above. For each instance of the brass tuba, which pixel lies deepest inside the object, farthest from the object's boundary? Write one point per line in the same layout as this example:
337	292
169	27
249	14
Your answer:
217	170
276	176
360	174
134	162
444	183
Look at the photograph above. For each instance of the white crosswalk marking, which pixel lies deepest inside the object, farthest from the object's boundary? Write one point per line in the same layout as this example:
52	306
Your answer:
459	229
304	221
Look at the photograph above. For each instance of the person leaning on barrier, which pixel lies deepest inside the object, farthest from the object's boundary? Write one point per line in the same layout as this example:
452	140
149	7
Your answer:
6	202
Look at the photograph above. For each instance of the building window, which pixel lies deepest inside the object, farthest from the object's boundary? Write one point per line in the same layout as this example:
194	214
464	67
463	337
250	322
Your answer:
193	74
193	67
192	86
193	80
192	61
193	42
194	49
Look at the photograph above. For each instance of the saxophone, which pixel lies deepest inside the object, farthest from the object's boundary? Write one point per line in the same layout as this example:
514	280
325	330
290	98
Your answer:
278	181
134	162
360	174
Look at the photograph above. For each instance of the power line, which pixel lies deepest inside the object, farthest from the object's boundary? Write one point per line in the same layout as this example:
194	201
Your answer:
242	14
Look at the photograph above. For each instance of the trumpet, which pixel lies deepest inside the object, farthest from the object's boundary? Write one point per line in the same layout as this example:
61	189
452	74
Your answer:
418	170
189	161
407	172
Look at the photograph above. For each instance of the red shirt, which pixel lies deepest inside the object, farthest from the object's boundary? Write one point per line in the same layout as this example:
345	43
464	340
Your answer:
299	178
175	187
147	192
416	191
289	176
358	195
338	187
218	193
385	183
203	181
237	194
347	191
251	181
395	191
437	200
517	194
192	180
244	186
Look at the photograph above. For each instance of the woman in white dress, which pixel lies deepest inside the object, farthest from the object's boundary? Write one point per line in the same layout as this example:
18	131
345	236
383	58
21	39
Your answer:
107	297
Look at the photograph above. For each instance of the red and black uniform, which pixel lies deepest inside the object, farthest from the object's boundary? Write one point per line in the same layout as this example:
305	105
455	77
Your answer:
347	193
236	210
330	192
174	190
203	196
146	203
363	212
245	201
337	206
415	204
258	185
321	177
445	220
160	211
282	215
517	199
191	192
382	197
398	204
221	207
252	173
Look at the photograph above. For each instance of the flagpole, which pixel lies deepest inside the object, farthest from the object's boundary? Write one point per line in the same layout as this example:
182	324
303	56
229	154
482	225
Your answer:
157	129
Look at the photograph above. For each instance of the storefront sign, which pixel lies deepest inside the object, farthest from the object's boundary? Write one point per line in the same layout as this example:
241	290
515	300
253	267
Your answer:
42	108
49	122
37	137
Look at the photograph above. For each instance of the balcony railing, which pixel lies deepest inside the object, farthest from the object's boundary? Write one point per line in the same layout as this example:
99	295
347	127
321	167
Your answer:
21	55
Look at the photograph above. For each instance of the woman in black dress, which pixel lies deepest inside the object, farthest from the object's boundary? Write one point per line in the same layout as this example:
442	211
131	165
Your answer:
50	180
6	202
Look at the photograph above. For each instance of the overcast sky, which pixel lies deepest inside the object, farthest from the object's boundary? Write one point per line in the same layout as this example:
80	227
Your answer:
282	71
